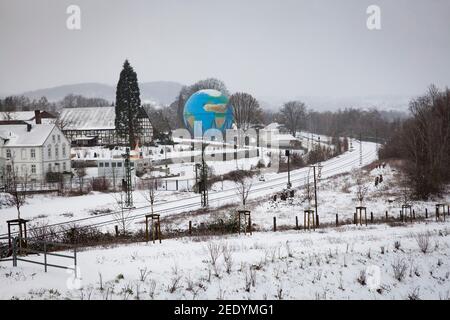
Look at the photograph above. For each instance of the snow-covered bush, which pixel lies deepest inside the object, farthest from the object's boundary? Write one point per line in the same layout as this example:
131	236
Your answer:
423	241
399	267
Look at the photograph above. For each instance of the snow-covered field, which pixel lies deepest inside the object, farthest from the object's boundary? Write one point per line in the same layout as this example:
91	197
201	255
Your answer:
381	261
375	262
49	209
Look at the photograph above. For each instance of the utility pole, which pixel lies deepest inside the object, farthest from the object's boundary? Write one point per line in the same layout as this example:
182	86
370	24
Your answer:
376	139
351	140
204	179
315	190
315	185
360	150
288	154
127	185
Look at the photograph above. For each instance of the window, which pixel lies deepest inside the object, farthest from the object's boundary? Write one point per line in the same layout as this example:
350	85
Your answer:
113	164
8	168
56	151
64	166
100	164
63	150
53	138
50	167
49	151
33	169
59	138
33	153
106	164
8	153
119	164
23	154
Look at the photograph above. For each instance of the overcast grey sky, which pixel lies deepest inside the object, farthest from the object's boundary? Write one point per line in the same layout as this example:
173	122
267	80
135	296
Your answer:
281	48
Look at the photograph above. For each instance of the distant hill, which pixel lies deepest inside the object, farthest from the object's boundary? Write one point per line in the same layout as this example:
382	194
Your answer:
159	92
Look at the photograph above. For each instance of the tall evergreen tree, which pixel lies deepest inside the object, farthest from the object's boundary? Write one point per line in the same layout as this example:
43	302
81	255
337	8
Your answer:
128	104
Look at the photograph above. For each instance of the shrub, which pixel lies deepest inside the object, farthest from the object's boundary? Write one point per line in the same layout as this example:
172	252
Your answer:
362	278
423	241
399	267
100	184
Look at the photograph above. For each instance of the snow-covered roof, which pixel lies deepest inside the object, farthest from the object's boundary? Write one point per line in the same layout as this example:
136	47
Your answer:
19	136
272	126
288	137
23	115
92	118
17	115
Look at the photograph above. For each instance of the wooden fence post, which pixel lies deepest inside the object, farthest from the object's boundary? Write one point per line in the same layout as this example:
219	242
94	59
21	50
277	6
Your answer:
190	227
146	229
371	217
239	222
426	213
296	222
274	224
317	220
45	256
387	216
337	220
117	230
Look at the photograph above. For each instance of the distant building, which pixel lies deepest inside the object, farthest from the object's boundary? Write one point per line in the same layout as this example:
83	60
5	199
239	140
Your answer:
275	133
96	126
34	149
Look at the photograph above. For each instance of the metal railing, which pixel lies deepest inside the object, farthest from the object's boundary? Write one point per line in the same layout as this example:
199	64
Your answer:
21	248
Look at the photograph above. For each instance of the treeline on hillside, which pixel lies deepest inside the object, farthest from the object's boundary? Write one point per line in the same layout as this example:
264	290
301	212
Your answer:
423	141
371	124
23	103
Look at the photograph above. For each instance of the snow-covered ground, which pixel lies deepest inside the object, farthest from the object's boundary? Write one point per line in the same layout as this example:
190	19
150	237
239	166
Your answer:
54	209
381	261
375	262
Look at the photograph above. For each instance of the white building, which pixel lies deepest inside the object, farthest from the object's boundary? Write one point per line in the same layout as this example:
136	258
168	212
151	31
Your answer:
278	136
35	149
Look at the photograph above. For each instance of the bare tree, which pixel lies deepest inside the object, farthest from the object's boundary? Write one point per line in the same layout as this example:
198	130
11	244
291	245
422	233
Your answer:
81	173
8	115
150	189
362	186
187	91
122	213
405	190
243	187
424	142
246	110
308	194
16	186
62	123
293	115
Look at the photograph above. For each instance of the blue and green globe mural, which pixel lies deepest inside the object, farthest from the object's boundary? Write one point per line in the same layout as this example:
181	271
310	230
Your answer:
210	107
